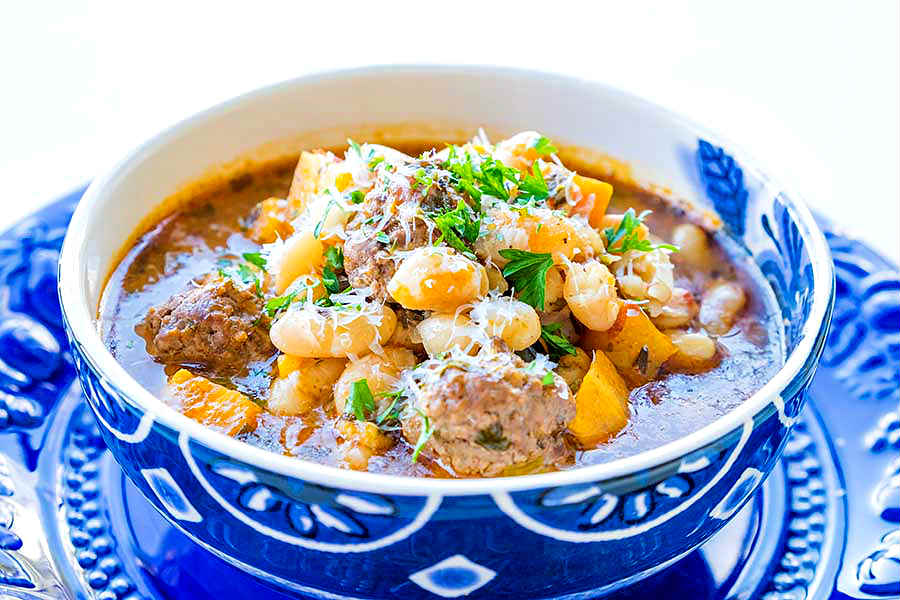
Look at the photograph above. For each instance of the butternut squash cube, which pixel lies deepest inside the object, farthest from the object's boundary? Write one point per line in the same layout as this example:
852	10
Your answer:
592	199
601	404
633	344
213	405
310	177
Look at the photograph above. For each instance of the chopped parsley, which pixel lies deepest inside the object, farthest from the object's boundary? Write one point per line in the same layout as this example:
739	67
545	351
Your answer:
533	187
457	227
492	438
245	272
334	258
357	197
279	303
328	207
375	162
382	237
626	236
330	280
423	180
557	344
527	273
544	147
548	379
256	259
361	400
391	413
424	435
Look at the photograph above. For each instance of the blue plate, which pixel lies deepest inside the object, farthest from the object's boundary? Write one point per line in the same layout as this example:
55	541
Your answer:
824	524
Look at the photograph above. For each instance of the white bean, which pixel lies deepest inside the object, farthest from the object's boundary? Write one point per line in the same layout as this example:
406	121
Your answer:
438	279
515	322
316	332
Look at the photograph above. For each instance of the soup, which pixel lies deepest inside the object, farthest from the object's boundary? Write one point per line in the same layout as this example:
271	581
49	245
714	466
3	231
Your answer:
441	310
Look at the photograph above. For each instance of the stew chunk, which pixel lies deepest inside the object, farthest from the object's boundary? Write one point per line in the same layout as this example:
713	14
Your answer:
218	325
489	413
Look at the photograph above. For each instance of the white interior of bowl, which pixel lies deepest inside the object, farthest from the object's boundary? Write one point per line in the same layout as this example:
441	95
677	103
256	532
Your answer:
322	109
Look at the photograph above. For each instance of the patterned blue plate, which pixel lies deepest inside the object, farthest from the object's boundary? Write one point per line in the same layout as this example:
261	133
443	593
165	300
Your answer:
824	525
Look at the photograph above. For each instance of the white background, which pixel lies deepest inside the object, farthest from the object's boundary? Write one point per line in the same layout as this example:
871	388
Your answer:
811	88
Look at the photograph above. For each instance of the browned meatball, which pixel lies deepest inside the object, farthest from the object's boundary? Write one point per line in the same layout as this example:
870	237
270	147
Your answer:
218	325
409	206
489	413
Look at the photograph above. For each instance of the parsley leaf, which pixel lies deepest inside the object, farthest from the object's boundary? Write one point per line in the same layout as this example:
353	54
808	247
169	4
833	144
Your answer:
533	187
334	258
422	179
557	344
357	197
256	259
424	434
548	379
279	303
458	227
318	228
491	177
245	272
625	236
390	413
330	281
361	400
527	272
544	147
382	237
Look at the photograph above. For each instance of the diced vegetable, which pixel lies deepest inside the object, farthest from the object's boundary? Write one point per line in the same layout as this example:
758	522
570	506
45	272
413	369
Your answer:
601	404
273	221
343	181
310	178
592	199
633	344
360	441
213	405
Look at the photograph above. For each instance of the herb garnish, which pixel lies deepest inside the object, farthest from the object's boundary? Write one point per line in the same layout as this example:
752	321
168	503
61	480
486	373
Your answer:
548	379
544	147
391	413
627	235
245	272
458	227
256	259
533	187
527	272
382	237
557	344
361	399
334	258
424	435
492	438
423	180
357	197
330	280
318	228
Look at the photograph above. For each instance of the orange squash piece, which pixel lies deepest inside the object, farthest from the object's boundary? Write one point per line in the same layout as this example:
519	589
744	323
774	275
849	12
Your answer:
601	404
592	198
212	404
310	178
273	221
633	344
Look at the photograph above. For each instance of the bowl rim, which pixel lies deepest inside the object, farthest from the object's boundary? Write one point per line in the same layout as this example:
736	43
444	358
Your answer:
81	319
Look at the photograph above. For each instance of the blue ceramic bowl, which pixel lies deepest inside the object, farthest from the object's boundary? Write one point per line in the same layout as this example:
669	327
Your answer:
328	532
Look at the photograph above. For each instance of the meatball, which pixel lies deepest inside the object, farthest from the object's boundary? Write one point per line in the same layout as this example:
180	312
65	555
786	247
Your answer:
218	325
400	208
489	413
